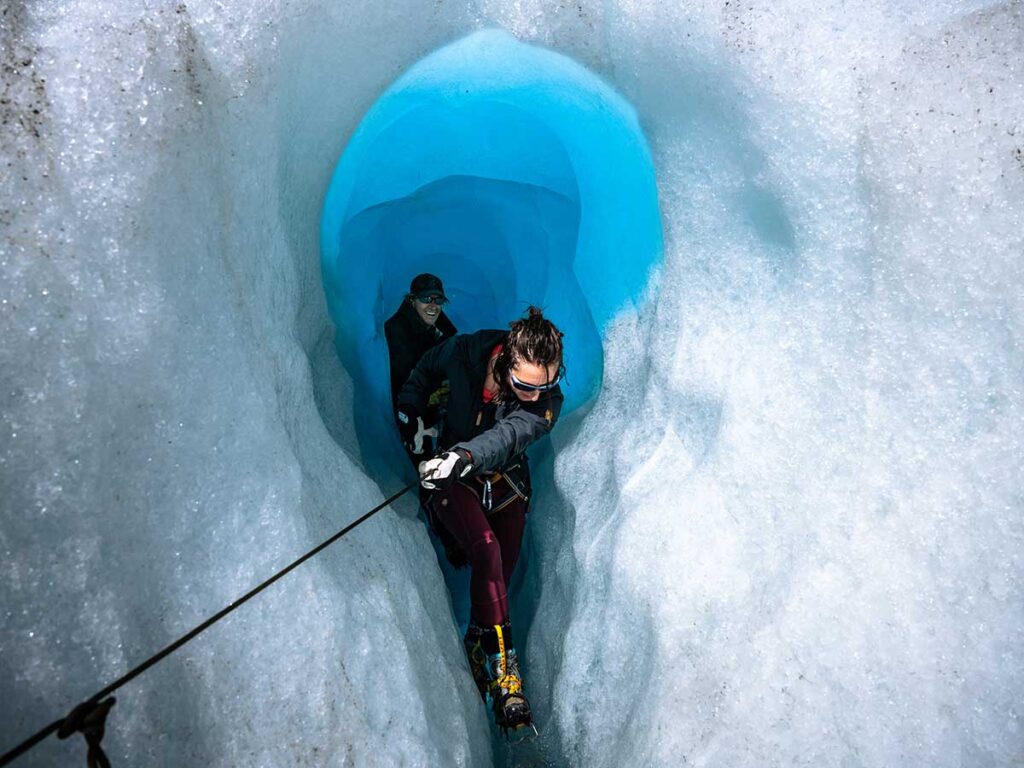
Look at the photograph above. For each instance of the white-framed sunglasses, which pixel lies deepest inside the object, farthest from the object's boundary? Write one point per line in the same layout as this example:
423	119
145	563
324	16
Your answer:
522	386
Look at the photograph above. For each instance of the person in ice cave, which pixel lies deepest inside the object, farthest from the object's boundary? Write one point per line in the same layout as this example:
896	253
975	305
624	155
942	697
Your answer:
418	325
504	395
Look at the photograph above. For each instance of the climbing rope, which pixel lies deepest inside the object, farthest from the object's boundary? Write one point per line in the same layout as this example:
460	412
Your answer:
89	717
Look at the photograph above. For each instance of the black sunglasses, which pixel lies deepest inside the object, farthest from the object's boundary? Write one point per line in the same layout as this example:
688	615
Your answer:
439	300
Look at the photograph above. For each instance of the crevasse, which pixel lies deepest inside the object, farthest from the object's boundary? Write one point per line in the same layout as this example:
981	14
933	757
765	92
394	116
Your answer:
785	529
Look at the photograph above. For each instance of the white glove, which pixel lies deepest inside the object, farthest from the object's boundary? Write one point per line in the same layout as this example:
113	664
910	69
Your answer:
439	473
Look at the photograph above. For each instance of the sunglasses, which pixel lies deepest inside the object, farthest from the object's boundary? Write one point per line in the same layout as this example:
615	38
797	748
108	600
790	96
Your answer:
522	386
439	300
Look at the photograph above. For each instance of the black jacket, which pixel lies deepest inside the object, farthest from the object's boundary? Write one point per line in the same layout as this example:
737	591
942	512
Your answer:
493	434
408	338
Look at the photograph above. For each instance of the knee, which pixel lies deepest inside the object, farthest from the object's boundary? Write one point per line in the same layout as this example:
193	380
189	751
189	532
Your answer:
485	555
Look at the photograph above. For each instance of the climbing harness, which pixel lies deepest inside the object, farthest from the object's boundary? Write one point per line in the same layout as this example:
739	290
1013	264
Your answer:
499	489
89	717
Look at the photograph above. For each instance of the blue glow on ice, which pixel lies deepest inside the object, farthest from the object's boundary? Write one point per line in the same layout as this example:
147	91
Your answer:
513	173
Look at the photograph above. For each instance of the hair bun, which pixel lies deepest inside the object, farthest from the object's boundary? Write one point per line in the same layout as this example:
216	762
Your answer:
535	311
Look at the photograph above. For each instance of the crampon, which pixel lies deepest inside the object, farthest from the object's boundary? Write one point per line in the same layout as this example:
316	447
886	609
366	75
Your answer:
514	719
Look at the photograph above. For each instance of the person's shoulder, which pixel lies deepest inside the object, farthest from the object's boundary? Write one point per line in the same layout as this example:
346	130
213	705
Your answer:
402	322
551	398
547	407
446	326
483	339
448	347
395	319
473	349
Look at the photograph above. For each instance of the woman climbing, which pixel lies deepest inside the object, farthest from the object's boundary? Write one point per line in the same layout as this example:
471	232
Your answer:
504	395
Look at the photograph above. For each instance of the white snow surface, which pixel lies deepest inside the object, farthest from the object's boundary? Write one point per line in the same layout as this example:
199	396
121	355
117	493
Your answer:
789	530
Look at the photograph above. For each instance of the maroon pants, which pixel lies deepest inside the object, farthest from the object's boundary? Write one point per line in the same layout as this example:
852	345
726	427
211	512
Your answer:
490	542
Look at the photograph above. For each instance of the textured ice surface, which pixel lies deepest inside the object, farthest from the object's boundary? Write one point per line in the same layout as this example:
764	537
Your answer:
789	529
162	450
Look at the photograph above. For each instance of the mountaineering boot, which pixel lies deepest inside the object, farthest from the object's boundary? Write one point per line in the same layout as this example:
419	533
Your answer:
511	709
477	656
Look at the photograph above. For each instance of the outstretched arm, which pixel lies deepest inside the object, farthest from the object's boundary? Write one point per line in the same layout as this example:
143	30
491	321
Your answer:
513	434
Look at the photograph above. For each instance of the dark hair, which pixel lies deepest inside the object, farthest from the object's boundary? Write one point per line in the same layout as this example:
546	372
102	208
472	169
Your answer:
533	339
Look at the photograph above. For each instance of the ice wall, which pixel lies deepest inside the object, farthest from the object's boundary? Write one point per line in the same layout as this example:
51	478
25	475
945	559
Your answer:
789	530
796	509
164	332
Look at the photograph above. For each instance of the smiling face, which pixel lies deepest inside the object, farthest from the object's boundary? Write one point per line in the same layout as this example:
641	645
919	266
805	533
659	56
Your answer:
532	375
428	310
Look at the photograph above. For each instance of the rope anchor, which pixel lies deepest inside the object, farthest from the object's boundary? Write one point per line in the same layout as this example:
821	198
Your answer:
89	719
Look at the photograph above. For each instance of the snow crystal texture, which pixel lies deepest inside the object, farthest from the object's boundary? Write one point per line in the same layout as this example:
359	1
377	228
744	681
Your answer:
786	530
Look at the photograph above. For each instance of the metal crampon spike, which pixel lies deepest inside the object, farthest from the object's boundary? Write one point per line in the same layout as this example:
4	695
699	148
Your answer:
518	733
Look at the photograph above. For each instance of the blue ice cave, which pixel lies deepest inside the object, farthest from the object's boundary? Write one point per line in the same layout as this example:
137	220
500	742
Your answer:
514	174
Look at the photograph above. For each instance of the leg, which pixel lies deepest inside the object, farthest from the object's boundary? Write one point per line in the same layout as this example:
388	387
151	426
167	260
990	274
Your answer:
508	526
460	512
428	500
489	644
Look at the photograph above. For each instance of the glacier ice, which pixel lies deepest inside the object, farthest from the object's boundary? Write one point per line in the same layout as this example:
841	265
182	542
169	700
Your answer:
787	529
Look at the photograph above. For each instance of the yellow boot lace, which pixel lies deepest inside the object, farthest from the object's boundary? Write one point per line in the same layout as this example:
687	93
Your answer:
506	681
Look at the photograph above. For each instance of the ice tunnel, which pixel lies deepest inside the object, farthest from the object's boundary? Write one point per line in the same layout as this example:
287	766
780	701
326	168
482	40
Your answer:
513	173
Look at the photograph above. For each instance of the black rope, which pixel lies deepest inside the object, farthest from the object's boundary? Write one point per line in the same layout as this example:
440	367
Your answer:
89	717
